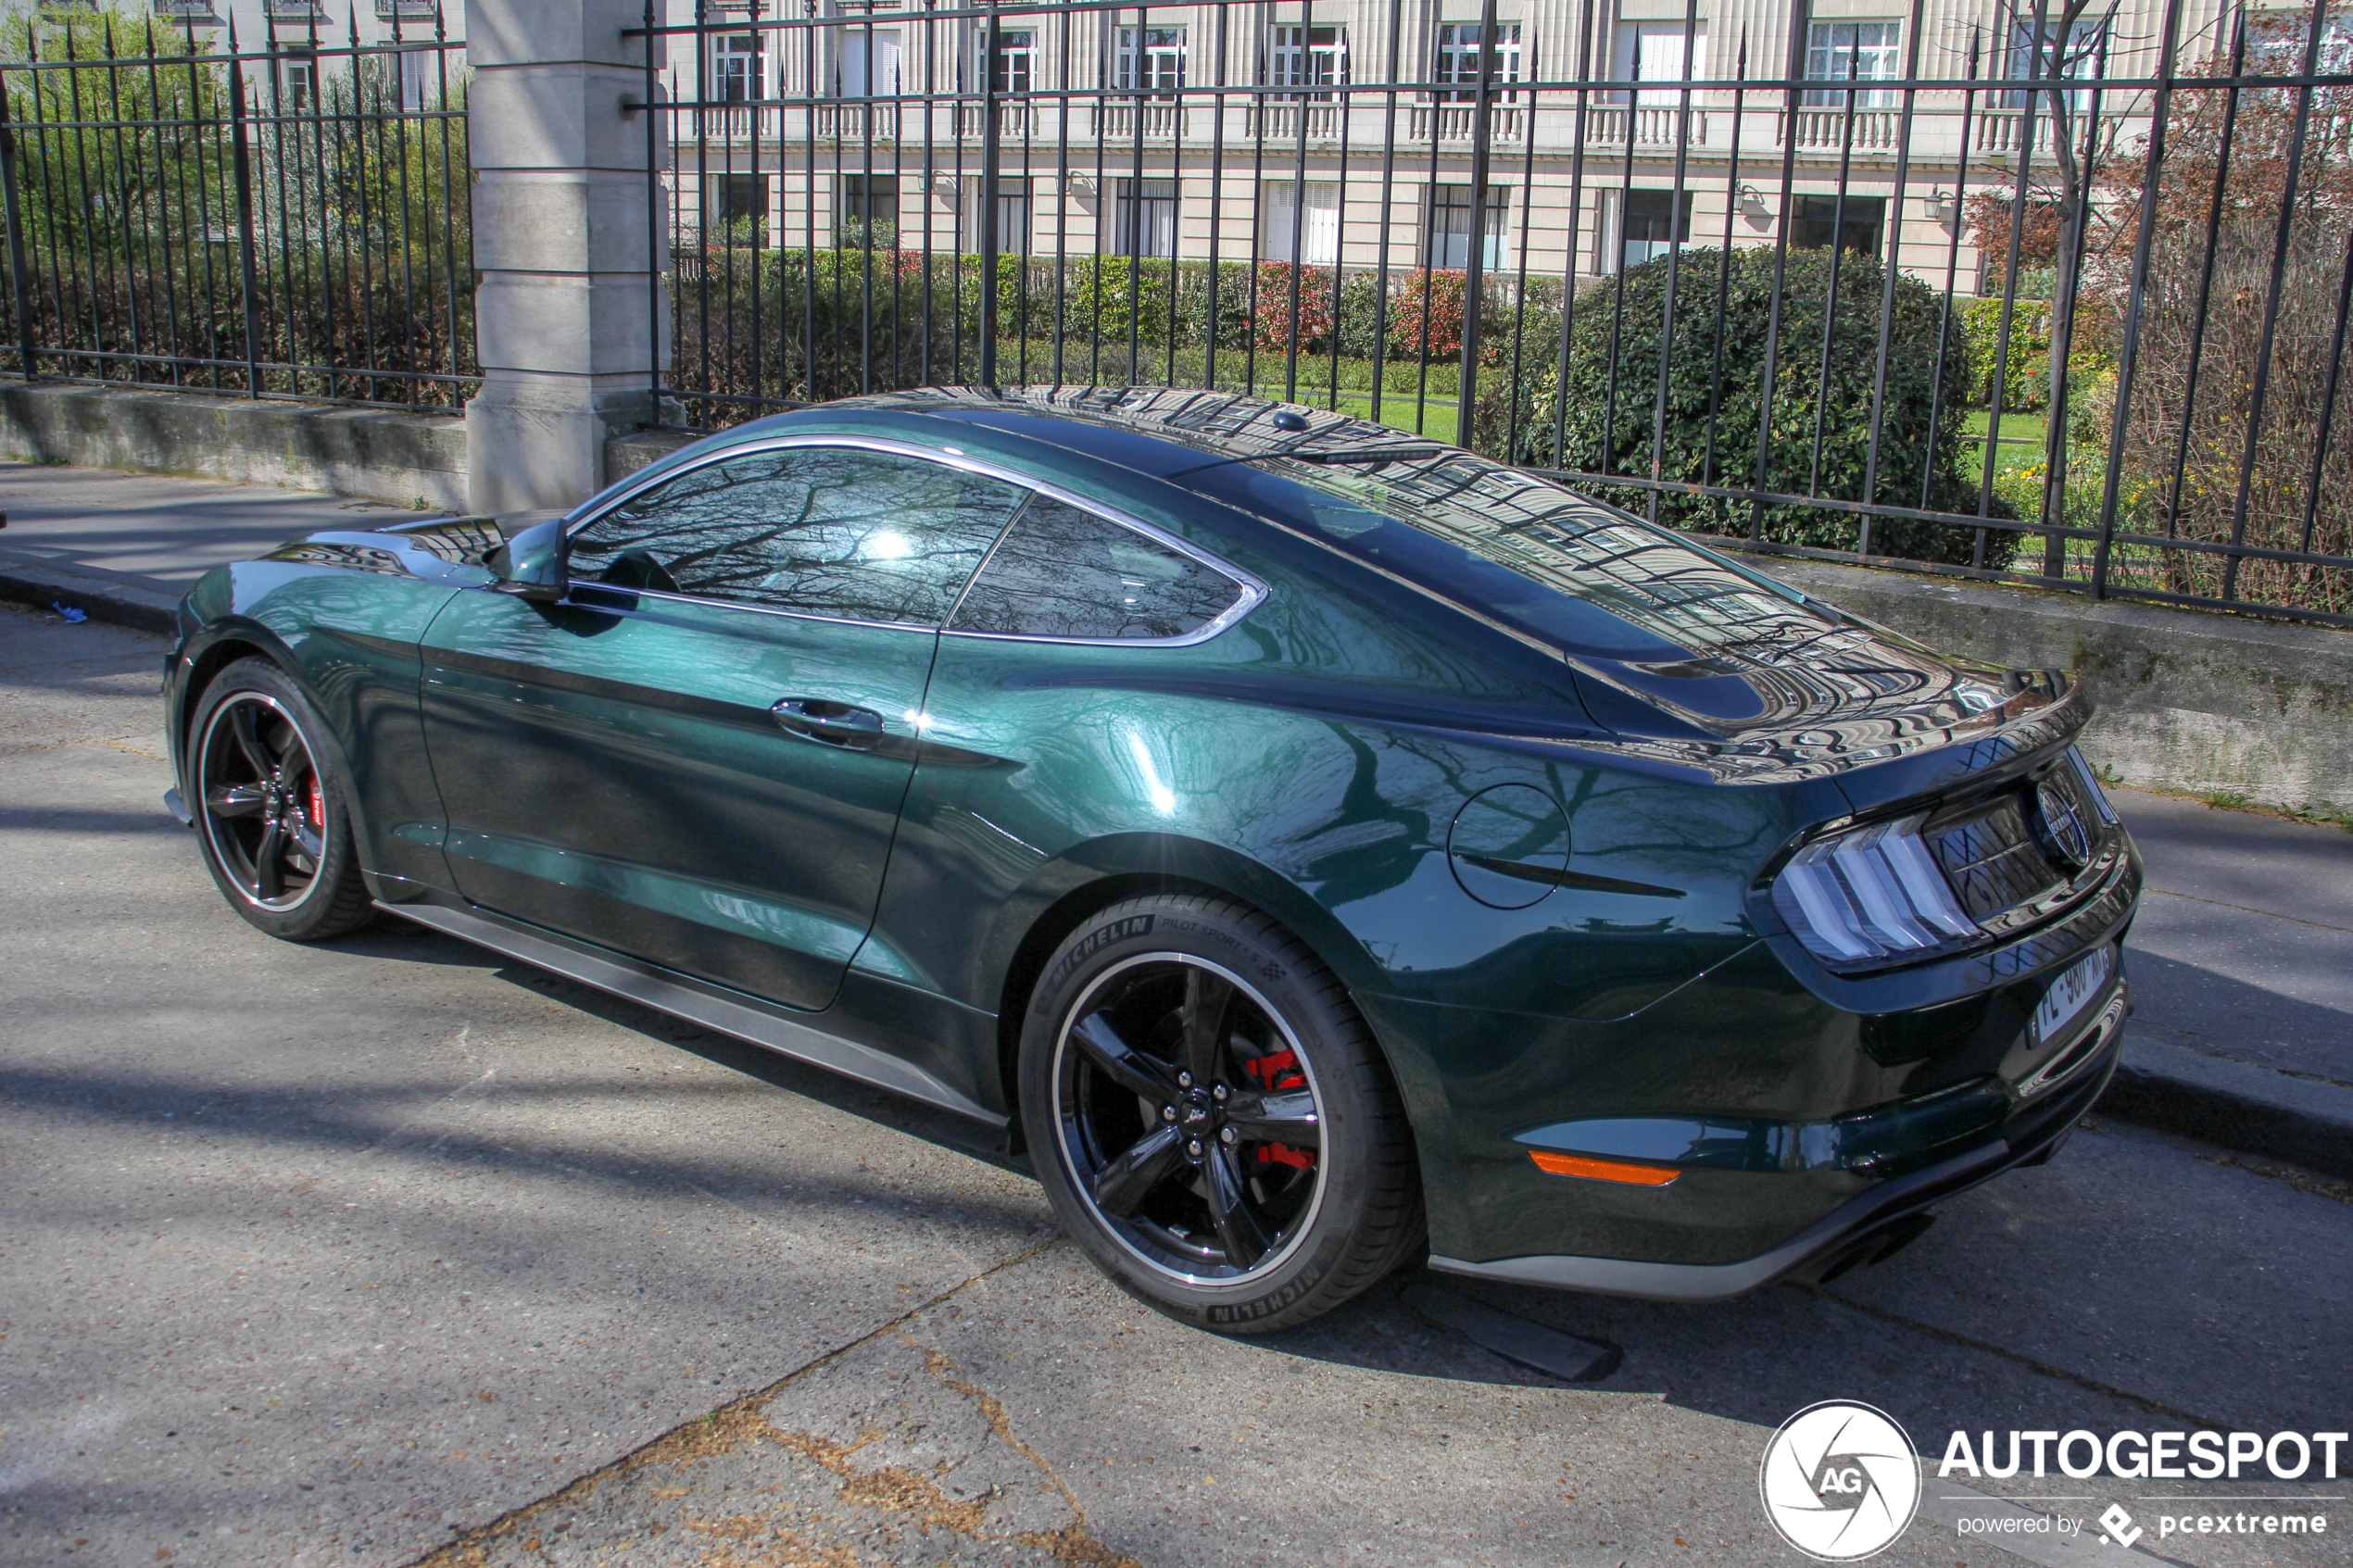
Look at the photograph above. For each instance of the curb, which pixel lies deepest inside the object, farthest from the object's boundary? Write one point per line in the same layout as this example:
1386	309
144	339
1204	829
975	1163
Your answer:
2306	1122
2250	1110
103	595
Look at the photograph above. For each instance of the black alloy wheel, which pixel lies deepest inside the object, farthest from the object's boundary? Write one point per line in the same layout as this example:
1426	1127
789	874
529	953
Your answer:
276	837
1212	1119
264	815
1189	1118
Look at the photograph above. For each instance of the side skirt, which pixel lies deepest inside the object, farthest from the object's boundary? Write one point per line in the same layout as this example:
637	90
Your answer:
655	988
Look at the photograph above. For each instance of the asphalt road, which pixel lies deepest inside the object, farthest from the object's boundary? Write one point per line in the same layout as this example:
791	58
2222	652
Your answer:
363	1252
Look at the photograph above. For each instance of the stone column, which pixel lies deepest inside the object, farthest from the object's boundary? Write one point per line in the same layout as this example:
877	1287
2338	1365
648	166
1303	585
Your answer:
570	317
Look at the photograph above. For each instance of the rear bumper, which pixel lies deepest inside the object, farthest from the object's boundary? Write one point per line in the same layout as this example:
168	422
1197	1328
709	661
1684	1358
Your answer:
1868	1226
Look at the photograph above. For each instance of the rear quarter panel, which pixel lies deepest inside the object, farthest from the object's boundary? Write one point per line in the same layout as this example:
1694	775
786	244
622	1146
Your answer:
1311	761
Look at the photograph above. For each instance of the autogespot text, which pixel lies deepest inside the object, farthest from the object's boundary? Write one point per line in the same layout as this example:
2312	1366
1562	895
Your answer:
2156	1456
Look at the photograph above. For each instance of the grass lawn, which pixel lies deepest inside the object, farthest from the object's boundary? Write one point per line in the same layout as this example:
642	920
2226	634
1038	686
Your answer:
1436	418
2022	436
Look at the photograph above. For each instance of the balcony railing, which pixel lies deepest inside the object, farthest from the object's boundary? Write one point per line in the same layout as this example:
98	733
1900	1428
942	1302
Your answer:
1459	123
1653	125
736	124
1013	120
2001	132
858	122
1288	122
1837	129
1154	121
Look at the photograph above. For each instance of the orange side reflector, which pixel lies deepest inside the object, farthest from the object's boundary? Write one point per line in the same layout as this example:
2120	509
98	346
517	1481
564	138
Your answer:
1602	1169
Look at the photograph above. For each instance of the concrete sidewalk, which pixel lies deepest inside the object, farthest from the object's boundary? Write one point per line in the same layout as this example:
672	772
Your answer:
124	546
2242	959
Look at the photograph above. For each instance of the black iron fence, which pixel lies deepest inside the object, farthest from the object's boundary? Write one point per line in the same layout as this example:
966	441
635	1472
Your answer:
288	216
2043	293
2055	292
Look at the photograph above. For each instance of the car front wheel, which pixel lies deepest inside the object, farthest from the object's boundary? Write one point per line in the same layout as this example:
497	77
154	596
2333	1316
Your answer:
269	807
1212	1119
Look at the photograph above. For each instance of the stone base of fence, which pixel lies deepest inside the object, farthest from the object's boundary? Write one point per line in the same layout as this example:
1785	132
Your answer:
2192	702
624	454
379	453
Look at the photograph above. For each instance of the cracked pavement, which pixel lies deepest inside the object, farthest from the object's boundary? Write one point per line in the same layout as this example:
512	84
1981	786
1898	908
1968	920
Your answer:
389	1252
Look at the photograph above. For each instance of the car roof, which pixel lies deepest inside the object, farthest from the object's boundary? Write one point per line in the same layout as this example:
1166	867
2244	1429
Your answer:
1156	431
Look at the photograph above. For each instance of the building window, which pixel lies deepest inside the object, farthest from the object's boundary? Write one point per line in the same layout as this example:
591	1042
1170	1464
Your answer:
1147	219
1450	227
2080	60
1656	222
1658	52
297	83
1014	216
1151	59
871	65
1457	65
1854	222
738	198
1308	57
737	68
870	210
415	69
1853	51
1016	59
1305	232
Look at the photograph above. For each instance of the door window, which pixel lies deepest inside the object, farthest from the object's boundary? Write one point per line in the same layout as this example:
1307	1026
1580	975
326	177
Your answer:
838	531
1449	226
1147	218
1064	573
1151	58
1851	223
1317	228
1657	221
870	63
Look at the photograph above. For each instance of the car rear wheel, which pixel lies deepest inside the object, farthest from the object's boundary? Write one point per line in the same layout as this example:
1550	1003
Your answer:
1211	1117
269	809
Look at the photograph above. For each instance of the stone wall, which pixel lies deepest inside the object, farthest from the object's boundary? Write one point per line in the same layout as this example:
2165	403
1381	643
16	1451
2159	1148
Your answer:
2190	701
377	453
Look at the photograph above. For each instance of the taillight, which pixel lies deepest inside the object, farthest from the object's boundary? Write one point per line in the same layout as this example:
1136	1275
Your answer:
1871	892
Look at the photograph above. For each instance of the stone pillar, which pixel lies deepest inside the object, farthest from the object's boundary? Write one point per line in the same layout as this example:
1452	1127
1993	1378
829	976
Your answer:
570	317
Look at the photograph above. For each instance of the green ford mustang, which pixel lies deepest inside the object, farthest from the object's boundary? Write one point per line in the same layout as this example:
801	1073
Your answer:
1307	843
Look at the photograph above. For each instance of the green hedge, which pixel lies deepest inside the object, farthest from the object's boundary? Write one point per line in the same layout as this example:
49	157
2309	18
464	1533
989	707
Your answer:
1615	341
2027	372
825	323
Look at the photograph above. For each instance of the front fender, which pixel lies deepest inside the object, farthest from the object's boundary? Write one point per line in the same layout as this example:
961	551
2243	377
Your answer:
348	638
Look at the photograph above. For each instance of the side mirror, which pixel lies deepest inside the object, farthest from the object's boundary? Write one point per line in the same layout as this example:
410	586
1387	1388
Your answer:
530	565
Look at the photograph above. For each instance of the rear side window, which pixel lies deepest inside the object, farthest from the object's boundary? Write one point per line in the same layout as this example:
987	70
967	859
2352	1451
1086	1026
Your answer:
1064	573
822	530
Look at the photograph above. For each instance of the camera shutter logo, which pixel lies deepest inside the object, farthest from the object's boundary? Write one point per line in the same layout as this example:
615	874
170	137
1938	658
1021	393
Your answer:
1840	1481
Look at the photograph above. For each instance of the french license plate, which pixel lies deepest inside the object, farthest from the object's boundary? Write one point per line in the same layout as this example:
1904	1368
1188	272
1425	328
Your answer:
2071	992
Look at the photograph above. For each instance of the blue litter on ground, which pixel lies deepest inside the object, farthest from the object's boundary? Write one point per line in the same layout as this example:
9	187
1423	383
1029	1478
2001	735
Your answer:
73	617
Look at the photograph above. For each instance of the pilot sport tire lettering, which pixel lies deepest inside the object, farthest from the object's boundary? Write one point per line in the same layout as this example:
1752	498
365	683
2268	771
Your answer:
1212	1119
270	809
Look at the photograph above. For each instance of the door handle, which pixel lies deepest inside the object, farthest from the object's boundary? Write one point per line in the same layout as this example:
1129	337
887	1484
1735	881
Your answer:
829	723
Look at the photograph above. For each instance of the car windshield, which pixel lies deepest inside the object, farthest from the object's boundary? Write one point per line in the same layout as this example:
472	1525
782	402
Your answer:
1524	552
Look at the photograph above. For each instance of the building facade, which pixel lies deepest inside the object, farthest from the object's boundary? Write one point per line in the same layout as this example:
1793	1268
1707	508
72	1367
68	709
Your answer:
1346	132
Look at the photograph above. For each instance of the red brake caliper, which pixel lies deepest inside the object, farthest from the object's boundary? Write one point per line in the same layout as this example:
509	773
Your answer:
1279	1073
318	805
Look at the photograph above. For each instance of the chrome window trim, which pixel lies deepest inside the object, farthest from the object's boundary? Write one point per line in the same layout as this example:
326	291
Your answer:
1253	591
